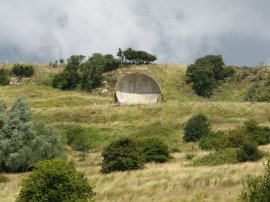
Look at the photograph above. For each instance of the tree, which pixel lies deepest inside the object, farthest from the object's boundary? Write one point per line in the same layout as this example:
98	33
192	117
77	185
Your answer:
4	78
23	142
136	57
196	127
121	155
62	61
55	180
206	73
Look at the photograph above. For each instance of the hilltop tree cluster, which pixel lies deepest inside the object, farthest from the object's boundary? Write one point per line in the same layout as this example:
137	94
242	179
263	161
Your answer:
85	74
23	142
206	74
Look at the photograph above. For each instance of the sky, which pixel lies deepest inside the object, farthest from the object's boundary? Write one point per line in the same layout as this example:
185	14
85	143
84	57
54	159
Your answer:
176	31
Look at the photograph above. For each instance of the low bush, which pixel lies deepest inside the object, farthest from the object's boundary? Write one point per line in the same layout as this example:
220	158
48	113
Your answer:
257	188
121	155
55	180
249	152
259	134
224	156
154	150
21	70
212	141
196	127
4	78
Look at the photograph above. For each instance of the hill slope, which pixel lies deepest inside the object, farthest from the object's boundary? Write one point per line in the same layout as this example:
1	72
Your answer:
174	181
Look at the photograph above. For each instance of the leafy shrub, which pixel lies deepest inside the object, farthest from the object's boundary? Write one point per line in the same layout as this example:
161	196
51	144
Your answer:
121	155
206	73
249	152
154	150
235	138
257	188
55	180
212	141
22	142
3	178
224	156
196	127
21	70
4	78
258	133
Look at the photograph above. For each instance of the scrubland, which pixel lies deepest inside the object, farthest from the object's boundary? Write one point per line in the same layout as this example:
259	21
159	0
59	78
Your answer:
177	180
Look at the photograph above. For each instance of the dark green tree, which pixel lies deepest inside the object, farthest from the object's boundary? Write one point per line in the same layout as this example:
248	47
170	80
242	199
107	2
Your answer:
206	74
55	181
196	127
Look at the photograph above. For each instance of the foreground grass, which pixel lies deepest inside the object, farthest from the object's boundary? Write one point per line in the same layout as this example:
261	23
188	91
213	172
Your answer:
174	181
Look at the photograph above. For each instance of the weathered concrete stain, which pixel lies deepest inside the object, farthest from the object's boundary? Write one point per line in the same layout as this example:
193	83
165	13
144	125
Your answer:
137	88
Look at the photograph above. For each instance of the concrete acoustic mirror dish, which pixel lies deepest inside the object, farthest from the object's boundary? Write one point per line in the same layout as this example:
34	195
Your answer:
137	88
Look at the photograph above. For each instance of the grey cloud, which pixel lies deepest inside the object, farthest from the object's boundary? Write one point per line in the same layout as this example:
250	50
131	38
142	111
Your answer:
177	31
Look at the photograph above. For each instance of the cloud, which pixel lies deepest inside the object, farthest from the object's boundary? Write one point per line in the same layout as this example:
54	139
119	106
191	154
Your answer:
177	31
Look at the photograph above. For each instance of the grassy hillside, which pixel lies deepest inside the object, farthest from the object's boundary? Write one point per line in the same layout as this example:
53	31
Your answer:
104	121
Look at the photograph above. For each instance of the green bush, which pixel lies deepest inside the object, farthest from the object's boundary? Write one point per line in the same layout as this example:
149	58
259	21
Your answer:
21	70
196	127
4	78
55	181
154	150
224	156
212	141
235	138
206	73
257	188
258	133
23	142
121	155
249	152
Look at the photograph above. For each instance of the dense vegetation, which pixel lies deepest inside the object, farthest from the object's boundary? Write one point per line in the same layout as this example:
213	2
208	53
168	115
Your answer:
196	127
257	188
55	181
85	74
206	74
121	155
21	70
22	141
4	78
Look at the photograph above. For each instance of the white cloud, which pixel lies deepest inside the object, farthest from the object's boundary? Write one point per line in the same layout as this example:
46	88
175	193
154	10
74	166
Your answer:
177	31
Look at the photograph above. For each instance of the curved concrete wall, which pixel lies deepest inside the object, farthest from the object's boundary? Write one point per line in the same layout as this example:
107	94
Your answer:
137	89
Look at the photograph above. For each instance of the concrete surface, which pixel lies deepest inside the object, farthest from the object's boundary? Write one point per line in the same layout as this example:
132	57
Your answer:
137	88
